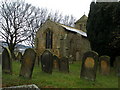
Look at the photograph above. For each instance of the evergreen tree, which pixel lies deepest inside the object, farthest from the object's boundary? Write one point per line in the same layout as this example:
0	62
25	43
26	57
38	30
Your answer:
103	28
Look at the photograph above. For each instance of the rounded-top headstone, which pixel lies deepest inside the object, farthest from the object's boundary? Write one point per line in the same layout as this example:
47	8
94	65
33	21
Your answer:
104	63
89	65
6	61
47	61
28	63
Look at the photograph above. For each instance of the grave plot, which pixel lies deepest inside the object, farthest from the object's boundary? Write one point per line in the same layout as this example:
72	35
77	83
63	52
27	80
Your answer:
47	61
6	61
28	63
89	65
104	65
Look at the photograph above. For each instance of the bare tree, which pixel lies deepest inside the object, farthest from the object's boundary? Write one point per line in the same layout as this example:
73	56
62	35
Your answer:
13	23
68	20
38	17
20	21
55	16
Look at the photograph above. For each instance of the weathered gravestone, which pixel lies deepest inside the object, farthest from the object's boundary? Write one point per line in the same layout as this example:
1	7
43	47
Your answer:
28	63
19	56
6	61
117	65
64	64
47	61
89	65
104	65
56	62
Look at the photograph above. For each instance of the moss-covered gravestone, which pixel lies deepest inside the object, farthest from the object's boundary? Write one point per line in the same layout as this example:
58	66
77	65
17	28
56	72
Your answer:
6	61
56	62
104	65
117	65
19	56
28	63
89	65
64	64
47	61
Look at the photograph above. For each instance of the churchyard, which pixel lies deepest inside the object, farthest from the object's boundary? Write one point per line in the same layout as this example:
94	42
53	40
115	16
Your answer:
88	73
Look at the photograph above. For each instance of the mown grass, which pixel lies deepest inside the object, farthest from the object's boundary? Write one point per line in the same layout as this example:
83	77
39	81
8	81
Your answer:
58	79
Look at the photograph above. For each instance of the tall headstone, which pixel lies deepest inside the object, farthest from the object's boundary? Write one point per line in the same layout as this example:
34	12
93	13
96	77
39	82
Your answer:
117	65
6	61
28	63
47	61
64	64
104	65
56	62
89	65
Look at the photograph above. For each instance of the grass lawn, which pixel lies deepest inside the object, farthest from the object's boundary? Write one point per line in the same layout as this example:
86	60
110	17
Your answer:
58	79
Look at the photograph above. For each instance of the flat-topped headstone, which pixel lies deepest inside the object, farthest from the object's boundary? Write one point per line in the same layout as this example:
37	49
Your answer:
117	65
28	63
56	62
64	64
6	61
19	56
47	61
104	65
89	65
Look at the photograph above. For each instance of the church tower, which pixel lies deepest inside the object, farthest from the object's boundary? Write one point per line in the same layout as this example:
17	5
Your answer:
81	23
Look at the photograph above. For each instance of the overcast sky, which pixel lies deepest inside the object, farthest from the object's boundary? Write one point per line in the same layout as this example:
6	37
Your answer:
70	7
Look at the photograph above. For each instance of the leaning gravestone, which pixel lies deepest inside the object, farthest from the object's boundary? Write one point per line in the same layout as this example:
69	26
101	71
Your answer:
6	61
104	65
64	64
117	65
89	65
28	63
47	61
56	62
19	56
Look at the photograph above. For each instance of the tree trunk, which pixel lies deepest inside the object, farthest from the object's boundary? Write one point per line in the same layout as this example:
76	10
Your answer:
11	48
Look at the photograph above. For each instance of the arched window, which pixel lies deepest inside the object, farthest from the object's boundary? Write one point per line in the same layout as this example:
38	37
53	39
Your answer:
49	39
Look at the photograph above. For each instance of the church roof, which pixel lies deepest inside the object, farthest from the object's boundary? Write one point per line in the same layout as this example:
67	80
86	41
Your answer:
74	30
83	18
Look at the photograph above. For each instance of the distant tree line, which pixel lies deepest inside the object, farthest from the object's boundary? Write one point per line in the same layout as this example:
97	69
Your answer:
19	22
103	28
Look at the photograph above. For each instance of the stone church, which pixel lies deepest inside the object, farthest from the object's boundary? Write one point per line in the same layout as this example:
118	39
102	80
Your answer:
63	41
